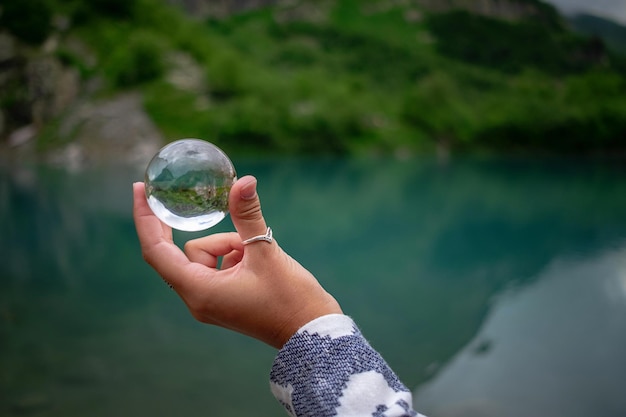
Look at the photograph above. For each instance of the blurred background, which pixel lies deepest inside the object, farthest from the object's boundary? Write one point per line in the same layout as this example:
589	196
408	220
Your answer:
453	171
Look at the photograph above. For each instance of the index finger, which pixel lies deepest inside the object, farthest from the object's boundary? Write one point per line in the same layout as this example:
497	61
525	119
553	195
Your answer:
157	246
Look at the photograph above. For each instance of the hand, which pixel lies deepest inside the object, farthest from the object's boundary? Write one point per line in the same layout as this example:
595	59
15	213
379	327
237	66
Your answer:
259	291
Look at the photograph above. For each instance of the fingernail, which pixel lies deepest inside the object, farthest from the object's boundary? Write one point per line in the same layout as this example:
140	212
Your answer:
248	191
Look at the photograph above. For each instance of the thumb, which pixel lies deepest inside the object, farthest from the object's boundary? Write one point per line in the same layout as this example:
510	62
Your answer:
245	208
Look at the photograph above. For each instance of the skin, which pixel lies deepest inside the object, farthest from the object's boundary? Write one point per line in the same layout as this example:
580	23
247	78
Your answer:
259	290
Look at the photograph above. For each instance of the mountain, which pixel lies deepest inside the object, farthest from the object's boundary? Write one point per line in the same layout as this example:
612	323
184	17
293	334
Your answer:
611	32
340	77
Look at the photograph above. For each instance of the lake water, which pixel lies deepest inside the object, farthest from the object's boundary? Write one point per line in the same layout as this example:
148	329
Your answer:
493	287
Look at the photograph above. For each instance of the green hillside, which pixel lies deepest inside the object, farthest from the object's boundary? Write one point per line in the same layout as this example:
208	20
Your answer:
343	77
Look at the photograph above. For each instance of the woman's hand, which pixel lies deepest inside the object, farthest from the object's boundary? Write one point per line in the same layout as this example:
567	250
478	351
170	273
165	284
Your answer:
259	290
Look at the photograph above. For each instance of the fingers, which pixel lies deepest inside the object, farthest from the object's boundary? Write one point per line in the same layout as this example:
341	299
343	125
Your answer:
231	259
208	249
157	246
145	219
245	208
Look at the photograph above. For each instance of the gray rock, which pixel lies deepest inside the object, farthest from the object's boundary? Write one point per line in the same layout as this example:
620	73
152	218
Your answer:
22	135
7	47
113	130
51	88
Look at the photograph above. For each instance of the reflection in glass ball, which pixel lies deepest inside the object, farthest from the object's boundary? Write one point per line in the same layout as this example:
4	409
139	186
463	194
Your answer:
187	184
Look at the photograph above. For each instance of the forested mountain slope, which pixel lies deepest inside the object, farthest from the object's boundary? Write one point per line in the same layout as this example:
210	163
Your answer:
343	77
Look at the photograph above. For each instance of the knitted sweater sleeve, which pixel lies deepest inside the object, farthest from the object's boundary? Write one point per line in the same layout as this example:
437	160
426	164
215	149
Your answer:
328	369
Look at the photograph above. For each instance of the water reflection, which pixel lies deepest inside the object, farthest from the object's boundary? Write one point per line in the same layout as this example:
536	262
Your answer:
554	348
414	250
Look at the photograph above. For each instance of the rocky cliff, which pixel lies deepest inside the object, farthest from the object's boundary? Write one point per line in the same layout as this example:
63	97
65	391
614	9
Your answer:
35	87
42	95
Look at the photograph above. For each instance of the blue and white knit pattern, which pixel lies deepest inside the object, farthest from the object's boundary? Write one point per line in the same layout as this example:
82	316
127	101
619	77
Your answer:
328	369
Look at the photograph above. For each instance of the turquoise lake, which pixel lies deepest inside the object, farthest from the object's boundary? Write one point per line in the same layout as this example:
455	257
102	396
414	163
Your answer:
492	286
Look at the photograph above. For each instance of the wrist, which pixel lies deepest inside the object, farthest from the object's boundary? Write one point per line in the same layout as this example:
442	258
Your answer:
301	322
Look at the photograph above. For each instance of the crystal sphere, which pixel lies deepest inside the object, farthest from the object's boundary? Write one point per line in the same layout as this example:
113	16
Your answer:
187	184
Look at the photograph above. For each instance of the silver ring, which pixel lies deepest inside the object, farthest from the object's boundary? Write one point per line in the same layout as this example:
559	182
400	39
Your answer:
267	237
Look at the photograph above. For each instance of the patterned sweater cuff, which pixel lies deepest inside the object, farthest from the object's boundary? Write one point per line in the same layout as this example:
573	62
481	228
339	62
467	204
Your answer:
328	369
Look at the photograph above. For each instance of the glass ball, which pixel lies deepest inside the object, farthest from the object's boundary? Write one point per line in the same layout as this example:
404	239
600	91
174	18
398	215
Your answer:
187	184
